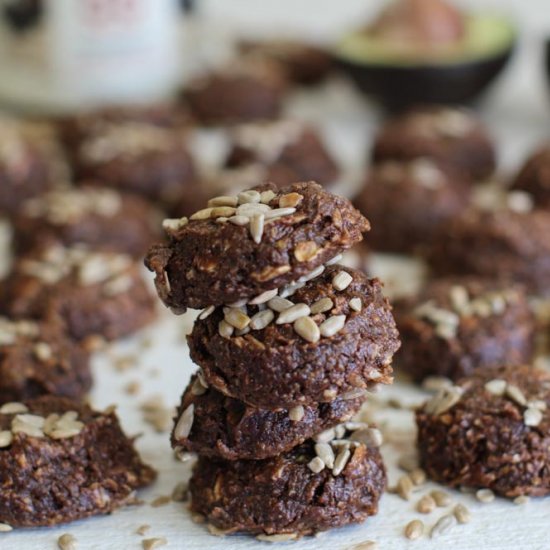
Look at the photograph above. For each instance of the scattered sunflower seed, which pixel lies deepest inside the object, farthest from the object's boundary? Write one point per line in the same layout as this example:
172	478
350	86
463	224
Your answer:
408	462
443	525
267	196
414	529
485	495
283	537
441	498
66	542
522	499
367	545
462	514
151	544
162	500
404	487
142	529
426	505
5	528
296	413
436	383
418	476
249	196
206	312
334	260
223	201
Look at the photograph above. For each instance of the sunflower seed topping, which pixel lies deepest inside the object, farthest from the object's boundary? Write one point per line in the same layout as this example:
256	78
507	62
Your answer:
223	201
296	413
261	320
496	386
444	400
264	297
355	304
316	465
293	313
341	280
267	196
29	424
279	213
279	304
443	525
185	423
290	200
225	330
257	227
236	318
6	438
173	225
321	306
532	417
341	461
307	329
515	394
332	325
205	313
13	408
326	454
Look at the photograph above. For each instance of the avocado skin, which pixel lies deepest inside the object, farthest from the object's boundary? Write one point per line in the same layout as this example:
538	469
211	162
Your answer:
400	87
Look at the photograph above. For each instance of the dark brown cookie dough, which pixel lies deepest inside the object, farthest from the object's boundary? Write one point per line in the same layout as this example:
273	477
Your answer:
327	341
458	325
25	171
134	157
226	428
500	244
534	177
287	150
39	359
212	260
492	431
100	218
242	91
451	137
61	461
303	63
292	494
93	293
407	203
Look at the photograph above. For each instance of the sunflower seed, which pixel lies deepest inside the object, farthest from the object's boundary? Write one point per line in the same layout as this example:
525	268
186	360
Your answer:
332	325
247	197
485	495
334	260
206	312
236	318
341	461
312	274
151	544
223	201
185	423
296	413
292	314
225	330
404	487
279	212
250	210
356	304
515	394
305	251
341	280
496	386
42	351
326	454
289	290
28	424
462	514
325	436
279	304
198	388
426	505
307	329
414	529
316	465
239	220
142	529
443	525
444	400
441	498
282	537
267	196
13	408
203	214
66	542
264	297
532	417
6	438
261	319
459	298
290	200
436	383
522	499
257	227
418	476
172	225
322	305
371	437
408	462
5	528
367	545
537	404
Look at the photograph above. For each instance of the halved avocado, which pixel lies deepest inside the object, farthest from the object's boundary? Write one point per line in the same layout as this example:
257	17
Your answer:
458	73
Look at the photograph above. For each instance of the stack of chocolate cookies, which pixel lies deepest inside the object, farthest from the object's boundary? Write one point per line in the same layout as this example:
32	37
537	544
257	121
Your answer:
288	343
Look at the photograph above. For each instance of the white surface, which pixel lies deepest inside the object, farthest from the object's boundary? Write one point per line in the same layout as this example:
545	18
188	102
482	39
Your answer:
518	114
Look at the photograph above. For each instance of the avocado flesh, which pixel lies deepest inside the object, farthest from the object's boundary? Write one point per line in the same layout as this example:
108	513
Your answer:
485	36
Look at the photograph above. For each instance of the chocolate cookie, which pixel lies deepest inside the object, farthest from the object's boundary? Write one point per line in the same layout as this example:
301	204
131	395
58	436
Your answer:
135	157
334	338
93	293
302	63
458	325
449	136
534	177
491	431
239	92
61	461
287	150
100	218
243	246
217	426
24	169
39	359
294	494
408	202
500	244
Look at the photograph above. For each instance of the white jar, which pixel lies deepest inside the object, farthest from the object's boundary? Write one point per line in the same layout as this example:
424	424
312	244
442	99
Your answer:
62	55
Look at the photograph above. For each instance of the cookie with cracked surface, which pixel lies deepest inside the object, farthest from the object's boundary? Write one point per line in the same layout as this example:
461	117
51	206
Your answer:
458	325
92	293
332	336
258	241
504	243
490	431
214	425
61	461
286	150
451	137
39	359
407	203
291	494
103	219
